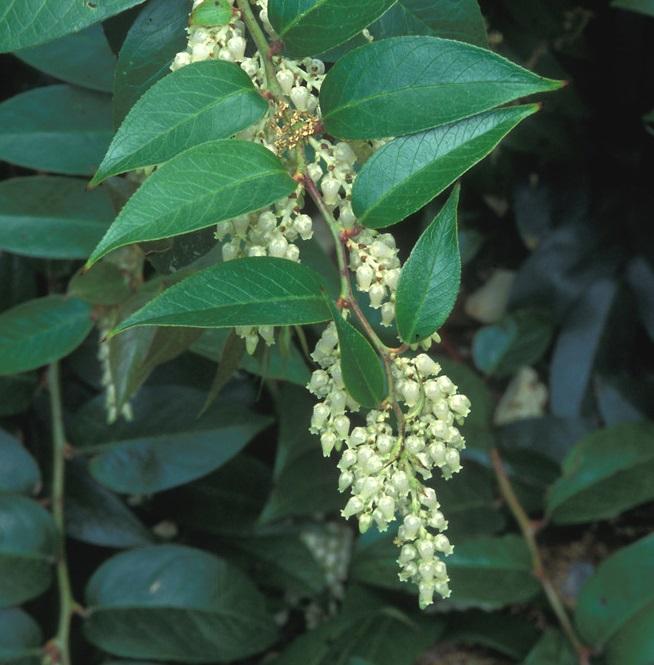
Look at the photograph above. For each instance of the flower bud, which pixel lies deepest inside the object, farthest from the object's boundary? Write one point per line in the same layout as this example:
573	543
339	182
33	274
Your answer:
441	409
300	97
229	251
251	342
365	275
442	589
440	569
408	571
411	392
377	294
236	46
460	404
257	250
370	487
352	507
442	544
412	525
426	366
445	384
249	66
304	226
365	522
400	482
425	549
391	278
386	505
266	221
414	444
181	60
437	452
407	553
337	400
345	480
225	54
314	171
426	594
342	426
268	334
348	459
437	521
278	246
344	153
292	253
453	460
380	250
330	189
347	217
359	436
327	441
320	415
286	80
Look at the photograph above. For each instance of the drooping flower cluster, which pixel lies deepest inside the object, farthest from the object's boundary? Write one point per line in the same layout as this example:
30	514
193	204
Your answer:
386	468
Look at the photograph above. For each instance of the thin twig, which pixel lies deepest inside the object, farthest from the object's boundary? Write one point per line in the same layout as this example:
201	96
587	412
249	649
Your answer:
529	535
59	648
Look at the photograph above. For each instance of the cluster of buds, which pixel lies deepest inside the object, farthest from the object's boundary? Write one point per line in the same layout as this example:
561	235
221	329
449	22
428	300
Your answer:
374	260
385	469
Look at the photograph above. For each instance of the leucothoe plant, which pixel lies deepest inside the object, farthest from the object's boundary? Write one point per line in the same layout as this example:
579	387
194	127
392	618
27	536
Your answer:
256	135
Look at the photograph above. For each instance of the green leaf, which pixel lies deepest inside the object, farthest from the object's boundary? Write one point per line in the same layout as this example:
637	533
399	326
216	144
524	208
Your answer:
362	369
97	516
83	58
605	474
20	638
204	101
104	284
163	447
56	128
230	360
405	85
16	393
19	473
490	573
430	279
519	339
27	549
641	6
25	23
616	600
553	647
212	13
271	364
308	27
226	502
509	634
245	292
373	632
409	172
206	184
157	34
170	602
304	482
52	217
41	331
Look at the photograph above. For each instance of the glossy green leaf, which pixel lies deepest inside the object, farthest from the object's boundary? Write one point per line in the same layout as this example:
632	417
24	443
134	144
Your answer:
230	360
104	284
410	171
605	474
308	27
409	84
641	6
52	217
56	128
490	573
430	278
171	602
97	516
206	184
83	58
371	631
41	331
616	600
304	482
519	339
163	447
204	101
212	13
244	292
552	648
27	549
19	473
20	638
362	369
24	23
157	34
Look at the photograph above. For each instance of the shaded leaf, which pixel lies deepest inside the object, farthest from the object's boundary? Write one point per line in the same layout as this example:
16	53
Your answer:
430	278
553	647
82	58
41	331
208	183
410	84
27	549
163	447
520	338
19	473
408	172
243	292
641	6
16	393
308	27
97	516
52	217
361	367
20	638
605	474
23	23
149	47
230	361
304	482
104	284
56	128
204	101
147	603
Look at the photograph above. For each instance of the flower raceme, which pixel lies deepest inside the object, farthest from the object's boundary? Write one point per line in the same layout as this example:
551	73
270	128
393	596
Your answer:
386	458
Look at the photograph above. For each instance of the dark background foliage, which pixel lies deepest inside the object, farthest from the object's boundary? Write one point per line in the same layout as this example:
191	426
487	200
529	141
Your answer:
566	204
